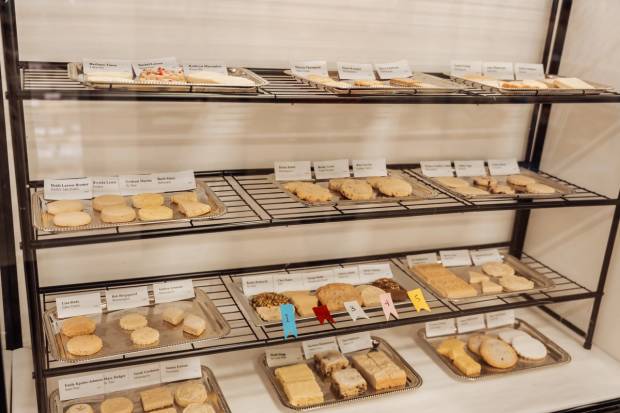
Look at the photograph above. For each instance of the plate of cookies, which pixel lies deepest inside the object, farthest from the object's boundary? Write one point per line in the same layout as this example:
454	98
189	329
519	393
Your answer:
115	333
188	396
330	378
112	211
354	191
494	352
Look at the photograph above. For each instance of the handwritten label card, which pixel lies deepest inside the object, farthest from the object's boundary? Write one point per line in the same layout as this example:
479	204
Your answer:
183	369
169	291
105	185
311	67
393	70
338	168
283	356
429	258
455	258
470	323
469	168
499	70
83	386
287	282
500	318
529	71
371	272
74	305
292	171
256	284
57	189
436	168
503	166
369	167
205	67
121	298
314	280
355	342
480	257
440	328
355	71
460	68
311	347
347	275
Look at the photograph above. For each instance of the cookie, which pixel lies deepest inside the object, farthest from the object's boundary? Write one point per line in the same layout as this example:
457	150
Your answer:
78	326
370	295
388	285
405	82
156	213
529	348
516	283
474	342
184	196
510	334
72	219
166	410
199	408
538	188
173	315
357	190
452	182
293	185
269	313
117	405
132	321
368	83
335	184
451	348
471	191
193	209
85	345
502	189
156	398
520	180
145	336
394	187
498	354
80	408
498	269
69	205
190	392
467	365
485	181
476	277
489	287
335	295
117	214
103	201
313	193
375	180
147	200
194	325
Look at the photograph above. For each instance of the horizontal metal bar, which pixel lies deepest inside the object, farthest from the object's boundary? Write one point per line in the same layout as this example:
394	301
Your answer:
563	320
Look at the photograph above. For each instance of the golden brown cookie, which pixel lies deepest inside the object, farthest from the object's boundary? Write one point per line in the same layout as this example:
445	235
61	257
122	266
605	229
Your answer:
498	269
498	354
145	336
117	214
84	345
190	392
335	295
68	205
313	193
72	219
156	398
173	315
78	326
147	200
156	213
335	184
356	190
516	283
184	196
132	321
485	181
520	180
193	209
103	201
117	405
194	325
392	186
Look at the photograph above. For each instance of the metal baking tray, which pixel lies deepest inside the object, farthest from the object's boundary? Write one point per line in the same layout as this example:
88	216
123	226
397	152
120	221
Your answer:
598	88
75	73
555	354
117	342
235	287
541	283
560	188
214	395
420	191
441	86
44	221
331	398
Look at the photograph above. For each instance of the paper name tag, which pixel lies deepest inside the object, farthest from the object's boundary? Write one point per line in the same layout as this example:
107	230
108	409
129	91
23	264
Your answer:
283	356
388	306
145	375
500	318
83	386
470	323
393	70
257	284
169	291
311	347
436	168
205	67
355	71
74	305
440	328
354	342
169	63
287	282
455	258
371	272
529	71
499	70
355	310
57	189
174	181
135	184
106	66
122	298
369	167
287	315
311	67
347	275
429	258
117	380
469	168
292	171
105	185
314	280
460	68
416	296
480	257
331	169
183	369
503	166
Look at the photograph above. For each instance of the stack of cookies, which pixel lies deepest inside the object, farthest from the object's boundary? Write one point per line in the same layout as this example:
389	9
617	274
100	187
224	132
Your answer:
485	185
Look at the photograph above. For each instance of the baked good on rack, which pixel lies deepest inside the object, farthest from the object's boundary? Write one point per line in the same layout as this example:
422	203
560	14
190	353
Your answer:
467	365
117	405
498	269
173	315
489	287
156	213
392	186
162	74
485	181
303	301
147	200
502	189
132	321
165	410
405	82
349	382
471	191
80	408
68	205
184	196
117	214
267	305
516	283
329	361
335	295
356	190
190	392
498	354
85	345
538	188
193	209
477	277
571	83
451	182
388	285
194	325
335	184
218	79
72	219
379	370
520	181
293	185
144	336
156	398
475	340
369	83
529	348
198	408
510	334
451	348
445	281
78	326
313	193
370	295
102	201
269	313
374	180
299	385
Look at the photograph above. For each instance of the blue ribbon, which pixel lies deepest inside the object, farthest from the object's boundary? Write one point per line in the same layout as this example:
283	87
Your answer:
287	311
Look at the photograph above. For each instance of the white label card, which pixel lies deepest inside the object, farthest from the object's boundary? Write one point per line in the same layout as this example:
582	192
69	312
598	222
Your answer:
529	71
469	168
470	323
292	171
429	258
455	258
480	257
56	189
338	168
74	305
436	168
90	66
371	272
355	71
354	342
503	166
347	275
183	369
205	67
121	298
363	168
499	70
355	310
282	356
169	291
145	375
311	67
105	185
135	184
287	282
169	63
440	328
311	347
393	70
460	68
174	181
117	380
257	284
83	386
500	318
314	280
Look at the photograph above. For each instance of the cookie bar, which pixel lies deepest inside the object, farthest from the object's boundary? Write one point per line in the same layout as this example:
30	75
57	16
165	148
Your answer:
299	385
330	361
379	370
156	398
388	285
349	382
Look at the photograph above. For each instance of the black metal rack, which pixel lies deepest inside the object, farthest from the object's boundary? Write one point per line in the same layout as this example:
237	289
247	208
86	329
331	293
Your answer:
255	202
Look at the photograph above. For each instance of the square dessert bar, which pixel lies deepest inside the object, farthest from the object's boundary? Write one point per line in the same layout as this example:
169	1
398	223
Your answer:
299	385
330	361
379	370
348	382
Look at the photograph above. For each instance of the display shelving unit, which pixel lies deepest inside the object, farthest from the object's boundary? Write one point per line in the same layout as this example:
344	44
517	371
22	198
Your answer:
253	201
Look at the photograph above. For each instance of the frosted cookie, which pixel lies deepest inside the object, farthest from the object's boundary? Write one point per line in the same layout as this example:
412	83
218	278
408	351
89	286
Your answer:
193	209
498	354
102	201
394	187
147	200
190	392
117	214
370	295
313	193
80	408
194	325
69	205
117	405
132	321
474	342
452	182
356	190
78	326
145	336
498	269
489	287
502	189
537	188
198	408
476	277
529	348
485	181
471	191
184	196
516	283
509	335
72	219
335	184
173	315
156	398
157	213
84	345
520	180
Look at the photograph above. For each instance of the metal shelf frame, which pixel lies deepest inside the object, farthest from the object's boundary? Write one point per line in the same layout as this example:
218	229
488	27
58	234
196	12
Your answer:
48	81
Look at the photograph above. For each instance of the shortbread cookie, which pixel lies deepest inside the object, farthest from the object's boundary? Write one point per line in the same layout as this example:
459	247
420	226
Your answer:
498	354
509	335
190	392
516	283
375	180
133	321
145	336
538	188
166	410
452	182
370	295
193	209
451	348
405	82
194	325
80	408
485	181
476	277
335	184
520	180
72	219
498	269
394	187
529	348
198	408
156	398
467	365
303	301
184	196
471	191
269	313
103	201
147	200
173	315
313	193
157	213
474	342
78	326
69	205
369	83
84	345
502	189
489	287
356	190
117	214
117	405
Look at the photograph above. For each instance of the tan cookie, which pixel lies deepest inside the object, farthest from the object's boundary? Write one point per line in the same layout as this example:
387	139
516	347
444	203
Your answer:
80	408
357	190
145	336
103	201
452	182
69	205
394	187
375	180
184	196
194	325
147	200
335	184
117	214
520	180
166	410
498	354
498	269
193	209
474	342
157	213
471	191
537	188
199	408
369	83
173	315
314	193
502	189
84	345
451	348
190	392
156	398
132	321
117	405
78	326
293	185
485	181
516	283
72	219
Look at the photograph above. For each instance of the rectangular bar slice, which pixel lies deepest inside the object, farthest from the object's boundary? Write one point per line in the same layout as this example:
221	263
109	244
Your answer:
329	361
379	370
349	382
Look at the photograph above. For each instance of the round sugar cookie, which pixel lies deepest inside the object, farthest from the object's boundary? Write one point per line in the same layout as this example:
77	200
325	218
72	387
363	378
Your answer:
498	269
376	180
156	213
72	219
313	193
510	334
520	180
199	408
529	348
537	188
132	321
485	181
145	336
452	182
336	184
184	196
292	186
78	326
394	187
474	342
84	345
498	354
357	190
193	209
117	405
80	408
117	214
190	392
68	205
147	200
471	191
103	201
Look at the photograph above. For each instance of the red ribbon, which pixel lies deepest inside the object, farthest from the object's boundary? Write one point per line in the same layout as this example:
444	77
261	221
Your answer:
322	314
